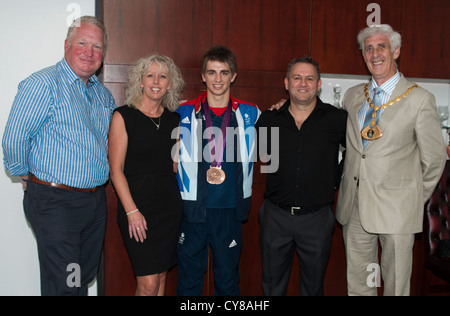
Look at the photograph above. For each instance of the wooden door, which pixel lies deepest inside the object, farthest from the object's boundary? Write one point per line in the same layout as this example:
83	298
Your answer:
424	26
136	29
264	34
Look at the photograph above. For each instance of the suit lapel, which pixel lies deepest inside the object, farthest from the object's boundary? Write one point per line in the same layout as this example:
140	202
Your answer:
390	112
357	103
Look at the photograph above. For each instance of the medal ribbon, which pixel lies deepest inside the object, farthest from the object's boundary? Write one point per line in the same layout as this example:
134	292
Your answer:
218	156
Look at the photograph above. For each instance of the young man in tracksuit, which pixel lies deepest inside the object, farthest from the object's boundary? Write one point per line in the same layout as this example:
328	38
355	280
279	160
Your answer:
215	174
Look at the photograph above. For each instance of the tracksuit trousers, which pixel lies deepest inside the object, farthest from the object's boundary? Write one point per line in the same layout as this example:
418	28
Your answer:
223	233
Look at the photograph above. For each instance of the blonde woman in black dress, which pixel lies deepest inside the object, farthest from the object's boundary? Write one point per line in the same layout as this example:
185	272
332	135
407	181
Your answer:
142	170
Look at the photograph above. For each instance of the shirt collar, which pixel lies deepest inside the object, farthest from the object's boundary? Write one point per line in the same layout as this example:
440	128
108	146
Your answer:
285	106
202	97
389	86
72	77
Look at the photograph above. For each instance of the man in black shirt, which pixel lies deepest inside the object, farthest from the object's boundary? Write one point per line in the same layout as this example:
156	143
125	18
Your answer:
298	211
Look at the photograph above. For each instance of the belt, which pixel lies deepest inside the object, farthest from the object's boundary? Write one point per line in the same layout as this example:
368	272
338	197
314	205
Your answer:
298	210
33	178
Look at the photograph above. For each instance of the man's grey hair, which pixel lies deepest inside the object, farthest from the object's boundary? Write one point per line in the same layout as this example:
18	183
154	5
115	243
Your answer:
89	20
394	37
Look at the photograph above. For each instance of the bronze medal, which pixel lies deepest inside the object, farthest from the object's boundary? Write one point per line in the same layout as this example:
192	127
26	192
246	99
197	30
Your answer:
215	175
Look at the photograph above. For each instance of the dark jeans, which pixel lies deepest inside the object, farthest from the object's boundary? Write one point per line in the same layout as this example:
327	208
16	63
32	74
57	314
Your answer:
281	234
69	227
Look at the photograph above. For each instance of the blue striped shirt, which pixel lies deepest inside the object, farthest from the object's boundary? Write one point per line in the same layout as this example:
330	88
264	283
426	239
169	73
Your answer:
58	128
387	89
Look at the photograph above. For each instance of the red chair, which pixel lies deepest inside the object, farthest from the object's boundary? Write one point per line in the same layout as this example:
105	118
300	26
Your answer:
437	232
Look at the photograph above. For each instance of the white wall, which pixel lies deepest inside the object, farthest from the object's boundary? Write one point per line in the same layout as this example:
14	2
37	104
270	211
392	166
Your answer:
32	37
439	88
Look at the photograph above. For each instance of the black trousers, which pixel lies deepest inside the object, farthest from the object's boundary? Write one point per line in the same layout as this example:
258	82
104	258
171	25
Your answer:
69	227
281	234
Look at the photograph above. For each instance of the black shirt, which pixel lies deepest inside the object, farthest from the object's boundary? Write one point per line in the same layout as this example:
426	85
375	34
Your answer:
309	171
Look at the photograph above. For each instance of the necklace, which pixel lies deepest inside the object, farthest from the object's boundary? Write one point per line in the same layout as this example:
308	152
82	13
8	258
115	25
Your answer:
149	116
159	122
372	131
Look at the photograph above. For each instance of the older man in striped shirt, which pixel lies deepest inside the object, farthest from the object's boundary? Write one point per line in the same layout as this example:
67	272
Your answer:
56	141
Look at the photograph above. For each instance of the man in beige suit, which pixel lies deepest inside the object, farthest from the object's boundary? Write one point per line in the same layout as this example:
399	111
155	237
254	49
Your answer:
395	156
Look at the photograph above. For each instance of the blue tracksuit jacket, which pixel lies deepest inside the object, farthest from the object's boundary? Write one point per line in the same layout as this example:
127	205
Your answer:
192	184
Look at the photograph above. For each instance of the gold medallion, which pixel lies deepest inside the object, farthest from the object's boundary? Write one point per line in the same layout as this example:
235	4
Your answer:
371	133
215	175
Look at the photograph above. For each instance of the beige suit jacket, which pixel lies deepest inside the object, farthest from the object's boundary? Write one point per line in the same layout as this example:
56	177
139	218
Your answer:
396	174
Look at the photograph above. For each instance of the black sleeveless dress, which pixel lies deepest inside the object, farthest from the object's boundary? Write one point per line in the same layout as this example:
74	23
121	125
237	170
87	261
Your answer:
154	188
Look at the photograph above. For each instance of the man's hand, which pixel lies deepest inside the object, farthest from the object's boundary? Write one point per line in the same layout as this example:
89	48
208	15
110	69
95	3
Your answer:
24	181
278	105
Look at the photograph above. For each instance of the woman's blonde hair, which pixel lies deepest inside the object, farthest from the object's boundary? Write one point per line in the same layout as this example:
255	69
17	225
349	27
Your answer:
133	94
